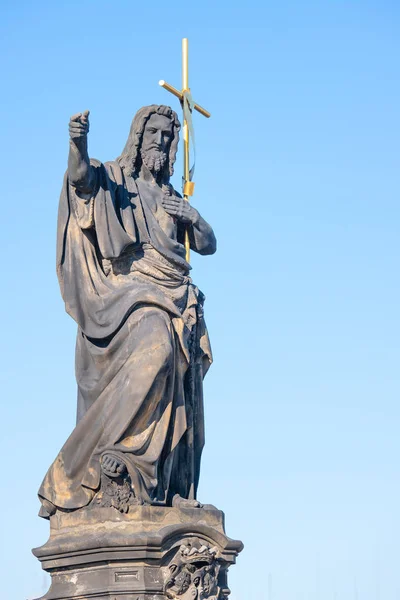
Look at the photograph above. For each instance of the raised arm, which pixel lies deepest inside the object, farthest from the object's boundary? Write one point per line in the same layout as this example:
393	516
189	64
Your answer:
80	173
201	235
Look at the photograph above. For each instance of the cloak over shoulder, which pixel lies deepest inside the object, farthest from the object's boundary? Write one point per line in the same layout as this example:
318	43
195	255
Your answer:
106	223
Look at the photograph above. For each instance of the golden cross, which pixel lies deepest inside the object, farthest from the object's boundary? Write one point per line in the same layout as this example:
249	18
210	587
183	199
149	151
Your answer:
187	106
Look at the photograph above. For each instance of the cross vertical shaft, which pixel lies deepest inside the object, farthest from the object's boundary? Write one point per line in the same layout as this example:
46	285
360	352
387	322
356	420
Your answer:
186	155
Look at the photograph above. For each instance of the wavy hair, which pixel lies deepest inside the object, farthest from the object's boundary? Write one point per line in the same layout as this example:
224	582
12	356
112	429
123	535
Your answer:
130	159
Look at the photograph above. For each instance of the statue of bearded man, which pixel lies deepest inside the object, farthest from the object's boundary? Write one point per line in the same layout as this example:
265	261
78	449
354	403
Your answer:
142	346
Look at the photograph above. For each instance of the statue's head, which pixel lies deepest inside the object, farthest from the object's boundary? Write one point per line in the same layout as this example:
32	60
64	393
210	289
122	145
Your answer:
153	141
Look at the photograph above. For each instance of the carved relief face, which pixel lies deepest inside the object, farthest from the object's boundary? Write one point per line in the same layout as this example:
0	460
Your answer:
157	134
191	583
203	585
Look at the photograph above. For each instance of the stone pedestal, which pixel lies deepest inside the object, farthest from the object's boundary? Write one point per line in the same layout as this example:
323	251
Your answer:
149	553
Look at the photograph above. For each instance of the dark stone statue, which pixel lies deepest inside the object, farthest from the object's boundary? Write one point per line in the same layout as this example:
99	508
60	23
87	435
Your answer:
142	346
121	495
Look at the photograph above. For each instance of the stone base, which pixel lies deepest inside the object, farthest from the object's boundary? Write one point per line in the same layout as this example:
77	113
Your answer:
150	553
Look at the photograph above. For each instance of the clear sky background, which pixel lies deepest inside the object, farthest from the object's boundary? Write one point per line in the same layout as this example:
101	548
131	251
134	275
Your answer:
299	173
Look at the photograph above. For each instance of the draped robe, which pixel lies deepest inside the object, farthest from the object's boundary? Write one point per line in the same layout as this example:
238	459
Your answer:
142	347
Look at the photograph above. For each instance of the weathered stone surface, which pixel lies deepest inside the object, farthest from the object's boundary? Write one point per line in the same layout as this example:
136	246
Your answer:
121	495
149	553
142	346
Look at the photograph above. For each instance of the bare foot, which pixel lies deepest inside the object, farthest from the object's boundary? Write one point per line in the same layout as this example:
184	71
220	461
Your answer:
179	502
111	466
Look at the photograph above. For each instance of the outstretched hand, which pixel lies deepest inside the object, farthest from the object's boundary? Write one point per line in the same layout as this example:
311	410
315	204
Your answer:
79	126
180	209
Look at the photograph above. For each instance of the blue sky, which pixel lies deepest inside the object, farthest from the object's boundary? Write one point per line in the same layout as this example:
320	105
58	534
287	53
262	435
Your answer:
298	172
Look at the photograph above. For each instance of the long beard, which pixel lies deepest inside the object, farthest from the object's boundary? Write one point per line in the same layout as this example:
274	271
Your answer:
154	160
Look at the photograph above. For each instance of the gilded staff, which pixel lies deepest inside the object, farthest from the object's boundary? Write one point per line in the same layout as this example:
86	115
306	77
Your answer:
187	106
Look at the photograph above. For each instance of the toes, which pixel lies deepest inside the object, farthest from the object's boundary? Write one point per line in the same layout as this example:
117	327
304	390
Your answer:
121	468
109	463
112	465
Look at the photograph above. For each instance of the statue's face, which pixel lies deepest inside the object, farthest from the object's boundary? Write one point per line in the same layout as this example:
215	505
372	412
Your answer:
157	134
156	139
